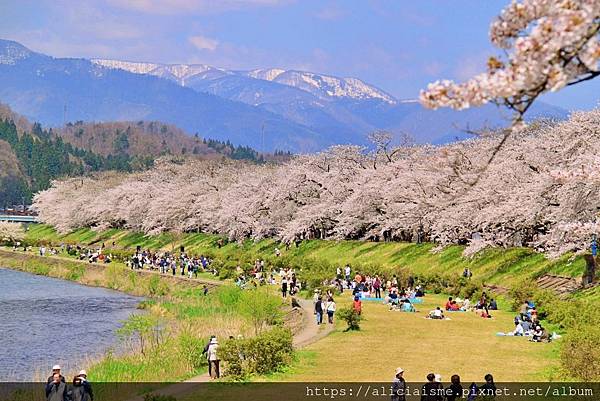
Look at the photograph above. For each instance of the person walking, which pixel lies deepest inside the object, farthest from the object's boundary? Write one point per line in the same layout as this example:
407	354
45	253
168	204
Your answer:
399	386
56	389
284	286
82	389
213	358
319	310
205	352
55	370
331	307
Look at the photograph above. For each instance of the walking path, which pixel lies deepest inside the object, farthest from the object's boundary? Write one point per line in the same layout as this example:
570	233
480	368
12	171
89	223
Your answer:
9	253
308	334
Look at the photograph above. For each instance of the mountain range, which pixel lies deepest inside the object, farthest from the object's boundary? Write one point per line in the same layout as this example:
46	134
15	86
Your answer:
267	109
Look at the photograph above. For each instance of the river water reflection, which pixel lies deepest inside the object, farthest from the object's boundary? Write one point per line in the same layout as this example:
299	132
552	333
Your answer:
44	321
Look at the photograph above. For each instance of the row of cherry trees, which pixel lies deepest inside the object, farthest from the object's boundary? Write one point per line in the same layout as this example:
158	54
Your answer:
538	187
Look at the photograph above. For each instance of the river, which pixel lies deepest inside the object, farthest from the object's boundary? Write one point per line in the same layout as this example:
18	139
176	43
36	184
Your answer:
45	321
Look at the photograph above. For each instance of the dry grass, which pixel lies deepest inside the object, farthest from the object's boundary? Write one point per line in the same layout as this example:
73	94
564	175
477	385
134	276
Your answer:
466	345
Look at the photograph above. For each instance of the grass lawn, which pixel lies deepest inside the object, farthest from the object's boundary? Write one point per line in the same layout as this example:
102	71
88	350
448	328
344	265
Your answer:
466	345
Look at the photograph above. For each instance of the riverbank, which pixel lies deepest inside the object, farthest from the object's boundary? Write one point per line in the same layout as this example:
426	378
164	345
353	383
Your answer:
115	276
166	343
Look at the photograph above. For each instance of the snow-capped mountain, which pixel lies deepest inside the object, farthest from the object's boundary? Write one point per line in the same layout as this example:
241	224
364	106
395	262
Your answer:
323	85
275	108
176	72
11	52
320	85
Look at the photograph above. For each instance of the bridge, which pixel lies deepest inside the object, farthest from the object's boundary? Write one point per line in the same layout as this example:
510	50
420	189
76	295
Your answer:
18	218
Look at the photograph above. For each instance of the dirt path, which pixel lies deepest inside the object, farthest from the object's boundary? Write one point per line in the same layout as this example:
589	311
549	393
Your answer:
308	334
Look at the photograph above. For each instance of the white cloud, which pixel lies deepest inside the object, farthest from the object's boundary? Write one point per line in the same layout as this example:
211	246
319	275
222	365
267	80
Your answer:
177	7
471	65
332	12
203	43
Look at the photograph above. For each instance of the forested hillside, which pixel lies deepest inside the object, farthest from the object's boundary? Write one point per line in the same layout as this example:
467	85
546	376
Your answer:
134	139
30	160
32	156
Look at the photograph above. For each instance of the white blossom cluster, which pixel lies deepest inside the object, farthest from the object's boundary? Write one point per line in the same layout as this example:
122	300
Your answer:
11	231
539	189
548	45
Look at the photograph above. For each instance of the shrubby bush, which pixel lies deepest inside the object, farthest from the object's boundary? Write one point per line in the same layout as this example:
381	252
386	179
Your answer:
580	353
261	307
266	353
191	348
351	317
521	292
157	287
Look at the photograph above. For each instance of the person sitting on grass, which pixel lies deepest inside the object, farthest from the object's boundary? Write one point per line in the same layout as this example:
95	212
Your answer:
449	303
540	335
493	305
526	323
407	306
454	307
436	314
519	332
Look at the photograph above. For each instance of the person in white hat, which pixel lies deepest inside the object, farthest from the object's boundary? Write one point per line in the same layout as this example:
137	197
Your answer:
81	389
55	369
399	386
213	358
56	389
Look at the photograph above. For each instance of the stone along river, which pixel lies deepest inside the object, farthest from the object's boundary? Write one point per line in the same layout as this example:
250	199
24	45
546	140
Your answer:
45	321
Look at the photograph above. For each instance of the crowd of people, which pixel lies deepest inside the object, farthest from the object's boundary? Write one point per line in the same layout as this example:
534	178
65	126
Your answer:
57	389
483	307
527	324
92	255
434	390
171	263
397	295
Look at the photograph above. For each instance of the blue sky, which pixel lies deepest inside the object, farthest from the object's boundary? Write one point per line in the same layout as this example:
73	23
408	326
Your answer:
397	45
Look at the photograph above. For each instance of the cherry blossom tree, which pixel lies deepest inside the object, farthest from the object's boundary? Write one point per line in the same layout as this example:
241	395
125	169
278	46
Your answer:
11	232
548	44
540	189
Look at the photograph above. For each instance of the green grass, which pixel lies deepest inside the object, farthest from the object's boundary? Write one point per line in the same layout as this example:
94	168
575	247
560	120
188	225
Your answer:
466	345
503	267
